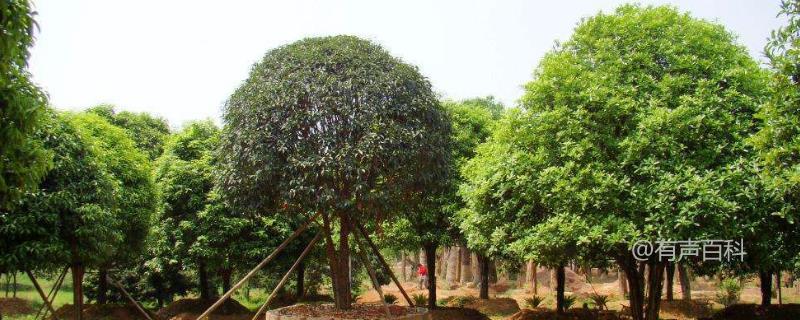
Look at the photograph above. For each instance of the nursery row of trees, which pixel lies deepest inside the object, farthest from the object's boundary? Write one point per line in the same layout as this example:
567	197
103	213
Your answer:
646	124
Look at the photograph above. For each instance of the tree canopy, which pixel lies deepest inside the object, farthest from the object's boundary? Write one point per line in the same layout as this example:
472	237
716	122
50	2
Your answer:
333	125
149	132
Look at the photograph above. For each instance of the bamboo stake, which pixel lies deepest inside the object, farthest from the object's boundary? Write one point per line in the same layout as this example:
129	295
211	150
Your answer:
261	265
127	295
288	274
53	292
383	261
41	293
372	276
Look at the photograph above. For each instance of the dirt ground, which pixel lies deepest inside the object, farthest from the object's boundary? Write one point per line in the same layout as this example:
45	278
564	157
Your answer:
15	306
108	311
190	309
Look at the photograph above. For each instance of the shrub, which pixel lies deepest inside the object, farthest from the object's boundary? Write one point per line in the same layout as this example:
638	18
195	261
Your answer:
419	299
390	298
600	301
534	302
729	291
568	302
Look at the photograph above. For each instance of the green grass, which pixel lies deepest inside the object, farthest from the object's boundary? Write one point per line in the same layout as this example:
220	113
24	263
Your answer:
26	291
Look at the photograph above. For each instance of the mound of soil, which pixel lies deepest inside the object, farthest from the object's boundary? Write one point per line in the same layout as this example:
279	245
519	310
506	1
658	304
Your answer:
358	311
498	306
198	306
457	314
14	306
572	314
752	311
686	308
102	312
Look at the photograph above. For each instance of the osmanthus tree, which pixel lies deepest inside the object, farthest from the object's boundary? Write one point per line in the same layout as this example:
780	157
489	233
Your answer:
23	160
71	218
184	179
335	126
644	108
432	223
148	131
134	208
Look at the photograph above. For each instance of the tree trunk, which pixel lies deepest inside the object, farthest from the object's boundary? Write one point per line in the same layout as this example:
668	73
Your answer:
778	286
202	281
403	265
466	266
492	271
14	292
102	286
300	288
560	280
226	279
623	283
452	266
77	289
629	266
765	278
430	261
655	280
685	282
670	280
339	261
476	270
483	261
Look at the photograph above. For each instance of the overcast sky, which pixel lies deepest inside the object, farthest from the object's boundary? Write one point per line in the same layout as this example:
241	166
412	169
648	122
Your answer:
182	59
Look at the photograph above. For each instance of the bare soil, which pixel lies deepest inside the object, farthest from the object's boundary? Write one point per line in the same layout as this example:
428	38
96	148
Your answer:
15	306
572	314
752	311
102	312
358	311
191	308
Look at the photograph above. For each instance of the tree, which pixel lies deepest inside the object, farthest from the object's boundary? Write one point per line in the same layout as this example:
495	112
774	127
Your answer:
130	169
644	108
184	178
23	160
335	126
149	132
71	218
778	149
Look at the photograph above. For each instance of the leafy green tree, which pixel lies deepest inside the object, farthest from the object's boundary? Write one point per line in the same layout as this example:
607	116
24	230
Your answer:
71	219
184	177
149	132
333	125
23	161
642	110
134	206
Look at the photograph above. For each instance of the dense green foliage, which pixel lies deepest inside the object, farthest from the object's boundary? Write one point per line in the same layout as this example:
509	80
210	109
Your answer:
333	125
23	161
149	132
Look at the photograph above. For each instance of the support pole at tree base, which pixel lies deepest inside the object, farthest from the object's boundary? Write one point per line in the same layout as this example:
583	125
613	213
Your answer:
250	274
52	295
127	295
288	274
383	261
365	261
41	293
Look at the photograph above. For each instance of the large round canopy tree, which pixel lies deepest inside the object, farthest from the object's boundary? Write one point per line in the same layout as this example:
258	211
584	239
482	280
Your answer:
335	126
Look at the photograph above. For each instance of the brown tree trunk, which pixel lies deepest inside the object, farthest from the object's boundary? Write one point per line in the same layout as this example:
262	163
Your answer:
466	266
630	267
483	261
655	280
14	292
492	271
403	265
202	281
560	281
670	280
430	261
685	282
102	286
778	286
765	277
226	275
476	269
340	261
300	282
452	266
77	289
623	283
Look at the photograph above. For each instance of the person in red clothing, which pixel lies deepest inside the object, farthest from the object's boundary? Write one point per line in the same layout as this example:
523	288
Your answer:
423	276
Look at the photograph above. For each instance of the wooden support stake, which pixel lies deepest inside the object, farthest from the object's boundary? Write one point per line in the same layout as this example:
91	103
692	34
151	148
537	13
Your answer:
127	295
250	274
53	292
288	274
362	255
41	293
383	261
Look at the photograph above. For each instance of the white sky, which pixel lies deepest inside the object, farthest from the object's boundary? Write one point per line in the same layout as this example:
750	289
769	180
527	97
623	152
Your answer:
182	59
